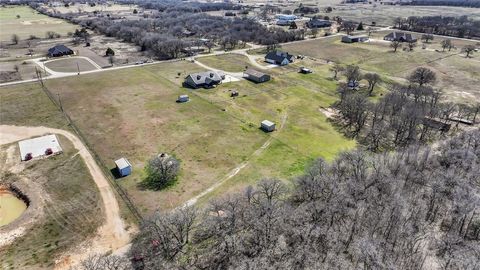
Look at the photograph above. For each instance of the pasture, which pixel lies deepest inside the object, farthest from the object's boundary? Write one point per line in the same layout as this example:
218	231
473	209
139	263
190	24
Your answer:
457	76
132	113
29	22
226	62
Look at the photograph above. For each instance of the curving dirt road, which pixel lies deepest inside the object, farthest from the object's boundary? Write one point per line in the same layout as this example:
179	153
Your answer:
112	234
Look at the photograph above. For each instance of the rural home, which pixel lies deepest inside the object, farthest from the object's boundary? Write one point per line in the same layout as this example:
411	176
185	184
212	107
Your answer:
400	36
267	126
59	50
284	22
352	39
205	79
279	58
317	23
256	76
123	166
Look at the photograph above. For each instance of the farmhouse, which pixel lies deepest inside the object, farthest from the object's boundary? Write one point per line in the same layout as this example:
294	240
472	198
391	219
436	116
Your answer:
400	36
284	22
59	50
123	166
317	23
267	126
38	147
205	79
279	58
256	76
352	39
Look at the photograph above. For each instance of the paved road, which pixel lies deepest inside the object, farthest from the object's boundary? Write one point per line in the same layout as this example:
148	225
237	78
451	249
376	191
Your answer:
112	234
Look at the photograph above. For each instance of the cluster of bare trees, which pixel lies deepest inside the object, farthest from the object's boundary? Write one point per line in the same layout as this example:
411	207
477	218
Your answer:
441	25
178	25
400	210
458	3
407	114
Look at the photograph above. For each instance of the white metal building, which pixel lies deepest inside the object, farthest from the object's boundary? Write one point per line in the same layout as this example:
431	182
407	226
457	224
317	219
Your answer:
39	147
123	166
267	126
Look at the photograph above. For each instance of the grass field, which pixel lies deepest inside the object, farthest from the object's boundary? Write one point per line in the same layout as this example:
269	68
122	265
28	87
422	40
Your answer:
227	62
70	65
457	76
30	23
70	208
132	113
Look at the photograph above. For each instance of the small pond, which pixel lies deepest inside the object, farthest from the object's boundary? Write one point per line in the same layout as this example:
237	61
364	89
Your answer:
11	207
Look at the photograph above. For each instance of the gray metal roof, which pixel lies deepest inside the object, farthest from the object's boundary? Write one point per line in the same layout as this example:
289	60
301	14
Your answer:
206	77
122	163
254	73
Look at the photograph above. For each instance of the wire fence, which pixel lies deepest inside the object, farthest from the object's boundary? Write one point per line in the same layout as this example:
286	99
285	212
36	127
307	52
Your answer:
111	178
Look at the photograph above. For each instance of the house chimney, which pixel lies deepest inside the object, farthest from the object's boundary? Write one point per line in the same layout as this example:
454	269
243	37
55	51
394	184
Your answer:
211	75
199	77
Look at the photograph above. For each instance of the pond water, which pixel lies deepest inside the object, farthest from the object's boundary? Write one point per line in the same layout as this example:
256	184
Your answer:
11	207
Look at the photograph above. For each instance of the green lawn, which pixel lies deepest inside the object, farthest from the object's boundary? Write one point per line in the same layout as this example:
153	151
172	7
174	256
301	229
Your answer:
132	113
228	62
29	23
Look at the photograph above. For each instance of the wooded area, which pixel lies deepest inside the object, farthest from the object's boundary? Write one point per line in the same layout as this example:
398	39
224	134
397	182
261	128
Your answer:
403	210
462	27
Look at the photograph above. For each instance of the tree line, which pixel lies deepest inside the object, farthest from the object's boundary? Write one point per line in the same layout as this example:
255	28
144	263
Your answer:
458	3
416	208
462	26
407	114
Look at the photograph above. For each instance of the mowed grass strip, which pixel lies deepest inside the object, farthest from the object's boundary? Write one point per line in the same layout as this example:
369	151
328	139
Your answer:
30	23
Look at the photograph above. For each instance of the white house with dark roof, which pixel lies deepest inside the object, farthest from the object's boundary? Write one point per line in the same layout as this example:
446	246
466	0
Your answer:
279	58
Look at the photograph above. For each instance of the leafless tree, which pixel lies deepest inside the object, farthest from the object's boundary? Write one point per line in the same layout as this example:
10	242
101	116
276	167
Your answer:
15	39
336	69
468	50
373	79
446	44
422	76
104	262
395	45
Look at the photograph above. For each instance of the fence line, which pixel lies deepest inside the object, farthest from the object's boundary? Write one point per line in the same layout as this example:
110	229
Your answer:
111	178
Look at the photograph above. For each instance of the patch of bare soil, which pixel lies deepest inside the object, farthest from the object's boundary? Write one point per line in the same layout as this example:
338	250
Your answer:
330	113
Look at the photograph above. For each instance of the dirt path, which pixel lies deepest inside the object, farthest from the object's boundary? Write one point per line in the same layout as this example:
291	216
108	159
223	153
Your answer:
112	234
237	169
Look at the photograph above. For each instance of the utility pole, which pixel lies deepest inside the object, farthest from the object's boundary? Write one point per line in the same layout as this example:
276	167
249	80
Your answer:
78	69
60	102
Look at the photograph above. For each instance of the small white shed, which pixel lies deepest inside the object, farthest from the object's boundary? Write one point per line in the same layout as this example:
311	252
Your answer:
124	167
267	126
183	98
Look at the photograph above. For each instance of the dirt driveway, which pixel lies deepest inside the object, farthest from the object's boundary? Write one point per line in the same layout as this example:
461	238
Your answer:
112	234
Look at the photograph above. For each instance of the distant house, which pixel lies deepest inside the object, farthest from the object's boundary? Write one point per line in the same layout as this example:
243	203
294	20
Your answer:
267	126
207	79
286	17
124	167
317	23
284	22
400	36
256	76
59	50
279	58
352	39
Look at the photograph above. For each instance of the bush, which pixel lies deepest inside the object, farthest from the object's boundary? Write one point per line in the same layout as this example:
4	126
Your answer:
110	52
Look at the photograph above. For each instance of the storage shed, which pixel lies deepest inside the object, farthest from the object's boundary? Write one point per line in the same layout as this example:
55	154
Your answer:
256	76
267	126
353	39
124	167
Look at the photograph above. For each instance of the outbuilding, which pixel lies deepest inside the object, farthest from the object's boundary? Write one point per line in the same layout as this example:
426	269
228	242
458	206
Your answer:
267	126
305	70
353	39
124	167
183	98
256	76
39	147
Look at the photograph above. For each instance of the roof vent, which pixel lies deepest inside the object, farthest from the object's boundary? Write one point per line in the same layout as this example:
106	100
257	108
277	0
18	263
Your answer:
211	75
199	77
